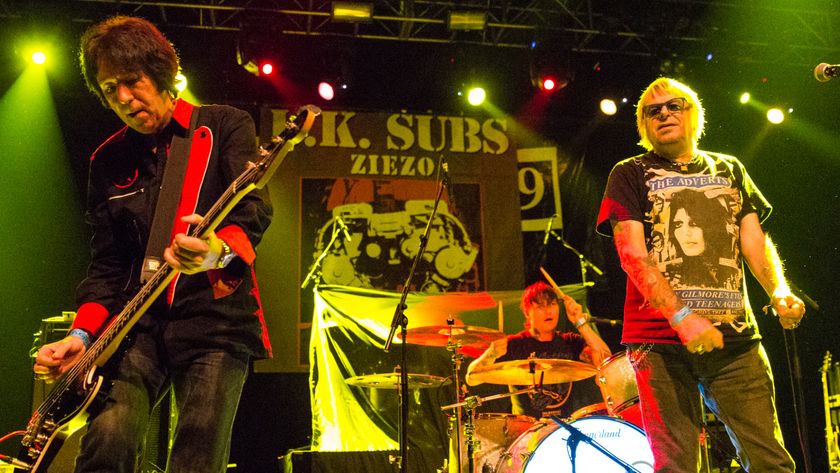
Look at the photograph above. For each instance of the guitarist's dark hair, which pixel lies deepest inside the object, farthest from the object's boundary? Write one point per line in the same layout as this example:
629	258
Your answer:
131	45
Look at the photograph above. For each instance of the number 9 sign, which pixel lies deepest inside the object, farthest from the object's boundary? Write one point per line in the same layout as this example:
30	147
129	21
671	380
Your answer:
539	190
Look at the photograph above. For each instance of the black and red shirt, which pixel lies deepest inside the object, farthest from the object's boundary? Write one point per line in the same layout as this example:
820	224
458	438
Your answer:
691	215
216	309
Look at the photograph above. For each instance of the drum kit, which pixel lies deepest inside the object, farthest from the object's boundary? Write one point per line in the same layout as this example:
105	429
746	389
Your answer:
604	437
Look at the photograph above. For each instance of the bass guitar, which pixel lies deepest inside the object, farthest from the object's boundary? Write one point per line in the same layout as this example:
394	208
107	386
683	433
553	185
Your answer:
65	409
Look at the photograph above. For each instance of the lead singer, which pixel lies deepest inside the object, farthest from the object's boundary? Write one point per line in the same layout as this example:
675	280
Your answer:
688	325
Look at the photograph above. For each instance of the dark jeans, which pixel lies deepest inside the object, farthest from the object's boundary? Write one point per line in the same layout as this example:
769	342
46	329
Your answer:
737	386
207	392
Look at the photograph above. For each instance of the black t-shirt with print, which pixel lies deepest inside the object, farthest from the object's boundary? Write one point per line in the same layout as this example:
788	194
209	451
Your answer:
691	216
565	346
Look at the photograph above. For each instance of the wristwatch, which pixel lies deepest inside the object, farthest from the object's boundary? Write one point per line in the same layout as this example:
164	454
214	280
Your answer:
226	256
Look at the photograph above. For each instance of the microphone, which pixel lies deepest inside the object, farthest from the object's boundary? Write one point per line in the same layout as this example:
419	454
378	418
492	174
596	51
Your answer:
343	227
604	320
824	72
447	182
548	229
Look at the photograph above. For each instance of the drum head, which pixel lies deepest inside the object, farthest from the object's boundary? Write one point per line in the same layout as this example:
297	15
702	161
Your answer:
552	451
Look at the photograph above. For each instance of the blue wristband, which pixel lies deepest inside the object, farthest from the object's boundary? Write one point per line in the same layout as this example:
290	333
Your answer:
81	334
679	316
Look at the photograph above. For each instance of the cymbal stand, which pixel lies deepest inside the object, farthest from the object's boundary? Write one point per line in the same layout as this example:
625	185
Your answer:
456	420
704	438
471	403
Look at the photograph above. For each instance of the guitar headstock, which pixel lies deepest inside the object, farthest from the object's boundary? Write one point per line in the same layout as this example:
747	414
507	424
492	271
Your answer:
272	154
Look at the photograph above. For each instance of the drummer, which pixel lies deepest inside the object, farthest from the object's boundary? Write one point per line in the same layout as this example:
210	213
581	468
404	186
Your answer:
541	339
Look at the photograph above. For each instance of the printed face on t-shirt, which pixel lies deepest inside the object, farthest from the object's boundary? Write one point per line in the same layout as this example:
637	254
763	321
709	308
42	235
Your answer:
688	233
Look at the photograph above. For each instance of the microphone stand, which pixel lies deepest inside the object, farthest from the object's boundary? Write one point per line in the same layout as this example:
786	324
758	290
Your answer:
315	269
795	370
792	355
584	262
401	321
575	436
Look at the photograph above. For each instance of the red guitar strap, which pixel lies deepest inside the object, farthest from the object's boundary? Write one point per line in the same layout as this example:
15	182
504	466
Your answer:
199	158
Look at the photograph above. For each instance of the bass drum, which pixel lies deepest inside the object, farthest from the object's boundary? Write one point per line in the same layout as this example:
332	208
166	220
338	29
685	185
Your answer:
544	448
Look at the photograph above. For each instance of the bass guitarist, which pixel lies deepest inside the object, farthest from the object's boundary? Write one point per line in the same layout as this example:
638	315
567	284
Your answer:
199	336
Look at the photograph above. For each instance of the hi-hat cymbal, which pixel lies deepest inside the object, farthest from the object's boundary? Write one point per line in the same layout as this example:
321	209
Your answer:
438	335
392	381
526	372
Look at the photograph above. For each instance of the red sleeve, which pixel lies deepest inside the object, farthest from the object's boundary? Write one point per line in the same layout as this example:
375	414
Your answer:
91	316
238	242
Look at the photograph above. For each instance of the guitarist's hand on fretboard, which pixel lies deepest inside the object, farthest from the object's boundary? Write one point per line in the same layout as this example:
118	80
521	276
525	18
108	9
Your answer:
191	255
56	358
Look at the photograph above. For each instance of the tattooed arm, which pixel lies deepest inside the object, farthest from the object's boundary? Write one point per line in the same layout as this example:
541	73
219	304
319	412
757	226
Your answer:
764	262
496	349
693	330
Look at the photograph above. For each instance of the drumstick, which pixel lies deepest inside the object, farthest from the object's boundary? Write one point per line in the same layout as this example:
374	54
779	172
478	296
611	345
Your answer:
553	284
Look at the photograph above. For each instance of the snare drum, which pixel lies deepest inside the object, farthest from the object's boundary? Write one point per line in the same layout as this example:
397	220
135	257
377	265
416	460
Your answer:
617	381
494	432
545	448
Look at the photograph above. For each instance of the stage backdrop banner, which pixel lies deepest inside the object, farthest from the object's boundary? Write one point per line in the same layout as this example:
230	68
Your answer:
356	196
349	330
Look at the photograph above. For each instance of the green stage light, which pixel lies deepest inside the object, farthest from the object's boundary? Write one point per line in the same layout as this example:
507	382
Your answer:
39	57
775	116
745	97
476	96
180	82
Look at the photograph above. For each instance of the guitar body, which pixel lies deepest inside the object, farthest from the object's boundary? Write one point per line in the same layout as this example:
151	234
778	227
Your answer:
47	431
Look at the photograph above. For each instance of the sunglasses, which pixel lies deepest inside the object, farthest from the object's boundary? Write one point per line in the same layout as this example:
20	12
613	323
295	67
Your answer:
676	105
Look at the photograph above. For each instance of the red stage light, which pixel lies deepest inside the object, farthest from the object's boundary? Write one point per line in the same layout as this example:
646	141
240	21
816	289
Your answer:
548	84
266	68
326	91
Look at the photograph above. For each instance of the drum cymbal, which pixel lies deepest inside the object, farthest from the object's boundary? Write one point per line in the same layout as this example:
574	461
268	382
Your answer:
519	372
438	335
392	381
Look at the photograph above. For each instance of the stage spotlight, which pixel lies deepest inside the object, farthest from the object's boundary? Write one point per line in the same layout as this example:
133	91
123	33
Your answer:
39	57
550	66
326	91
466	20
476	96
547	83
352	12
267	68
608	107
180	82
745	97
775	116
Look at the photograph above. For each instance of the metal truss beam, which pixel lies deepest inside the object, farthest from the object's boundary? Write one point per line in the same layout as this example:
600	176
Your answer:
647	28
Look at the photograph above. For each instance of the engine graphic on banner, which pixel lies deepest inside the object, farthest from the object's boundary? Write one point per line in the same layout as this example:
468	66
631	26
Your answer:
383	246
